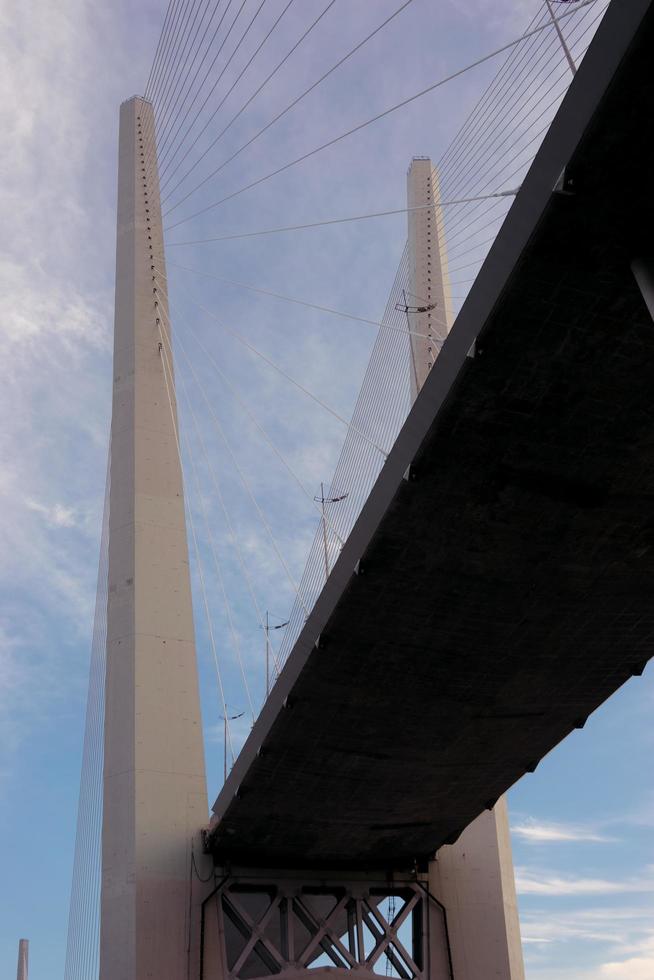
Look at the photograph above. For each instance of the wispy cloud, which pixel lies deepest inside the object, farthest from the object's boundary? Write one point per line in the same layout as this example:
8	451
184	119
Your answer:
54	339
533	882
621	926
639	966
616	942
56	515
543	832
635	968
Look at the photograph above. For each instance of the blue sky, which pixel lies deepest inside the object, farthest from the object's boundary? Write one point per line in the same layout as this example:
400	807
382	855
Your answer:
582	823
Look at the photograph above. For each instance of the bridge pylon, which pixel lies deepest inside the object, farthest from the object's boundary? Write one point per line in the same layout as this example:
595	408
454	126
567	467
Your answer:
23	957
473	877
155	798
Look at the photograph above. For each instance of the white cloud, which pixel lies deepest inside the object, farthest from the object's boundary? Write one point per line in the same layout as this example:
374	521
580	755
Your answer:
37	308
618	942
533	882
538	832
56	514
621	926
55	314
635	967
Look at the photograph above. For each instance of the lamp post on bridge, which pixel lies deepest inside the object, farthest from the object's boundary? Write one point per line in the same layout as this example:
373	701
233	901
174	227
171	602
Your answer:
322	500
267	628
226	718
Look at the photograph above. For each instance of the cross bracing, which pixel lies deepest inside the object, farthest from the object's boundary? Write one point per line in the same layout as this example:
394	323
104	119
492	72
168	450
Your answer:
272	927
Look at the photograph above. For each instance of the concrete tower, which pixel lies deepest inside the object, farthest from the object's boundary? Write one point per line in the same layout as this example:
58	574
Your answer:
23	951
154	778
428	299
474	877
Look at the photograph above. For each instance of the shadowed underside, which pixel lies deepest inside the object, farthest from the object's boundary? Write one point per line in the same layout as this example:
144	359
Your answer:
505	588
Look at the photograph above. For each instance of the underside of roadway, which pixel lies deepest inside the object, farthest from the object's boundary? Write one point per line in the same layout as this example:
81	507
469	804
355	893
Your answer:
506	588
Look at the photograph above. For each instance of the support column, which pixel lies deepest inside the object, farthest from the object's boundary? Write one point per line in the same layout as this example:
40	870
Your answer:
154	777
473	878
23	951
429	304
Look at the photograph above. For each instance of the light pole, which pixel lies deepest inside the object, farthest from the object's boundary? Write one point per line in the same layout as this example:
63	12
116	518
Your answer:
267	628
322	500
226	718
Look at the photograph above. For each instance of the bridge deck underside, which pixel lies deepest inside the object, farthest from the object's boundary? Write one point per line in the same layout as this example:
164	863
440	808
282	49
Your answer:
508	589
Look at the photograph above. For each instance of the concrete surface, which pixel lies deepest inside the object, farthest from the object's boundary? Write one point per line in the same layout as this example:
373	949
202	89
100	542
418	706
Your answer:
154	779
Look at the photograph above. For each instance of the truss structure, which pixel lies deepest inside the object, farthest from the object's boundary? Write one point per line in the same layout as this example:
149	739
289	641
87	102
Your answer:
268	926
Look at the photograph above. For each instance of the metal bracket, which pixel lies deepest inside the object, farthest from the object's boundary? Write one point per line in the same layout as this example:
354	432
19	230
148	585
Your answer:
565	185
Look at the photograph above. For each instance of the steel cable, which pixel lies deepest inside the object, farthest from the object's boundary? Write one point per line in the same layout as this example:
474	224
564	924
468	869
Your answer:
288	107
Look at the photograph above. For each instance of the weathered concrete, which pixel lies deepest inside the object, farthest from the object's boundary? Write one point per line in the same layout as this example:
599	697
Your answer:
474	880
528	520
154	778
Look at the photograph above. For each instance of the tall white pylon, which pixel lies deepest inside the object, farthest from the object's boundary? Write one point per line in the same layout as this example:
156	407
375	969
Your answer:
428	301
155	799
473	878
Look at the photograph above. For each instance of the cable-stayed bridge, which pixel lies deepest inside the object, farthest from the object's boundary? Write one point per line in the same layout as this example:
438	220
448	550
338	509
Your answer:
479	576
